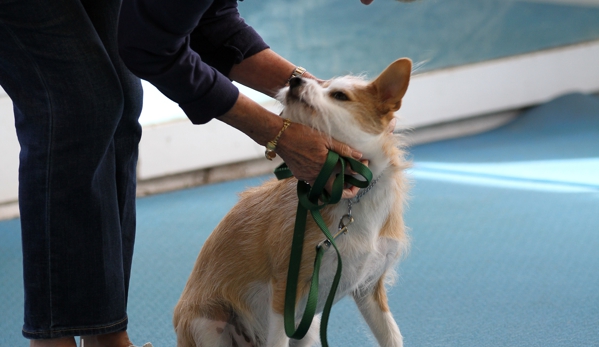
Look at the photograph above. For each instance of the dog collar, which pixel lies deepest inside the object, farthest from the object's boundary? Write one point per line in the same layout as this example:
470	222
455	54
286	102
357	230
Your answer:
363	191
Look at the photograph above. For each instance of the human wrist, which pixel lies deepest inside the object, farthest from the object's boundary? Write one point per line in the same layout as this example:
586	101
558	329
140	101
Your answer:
297	72
271	146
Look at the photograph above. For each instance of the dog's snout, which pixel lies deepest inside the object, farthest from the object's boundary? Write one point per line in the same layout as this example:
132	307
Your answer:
295	82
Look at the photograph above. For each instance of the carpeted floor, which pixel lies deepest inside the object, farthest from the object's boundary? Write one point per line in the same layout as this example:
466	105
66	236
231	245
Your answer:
505	240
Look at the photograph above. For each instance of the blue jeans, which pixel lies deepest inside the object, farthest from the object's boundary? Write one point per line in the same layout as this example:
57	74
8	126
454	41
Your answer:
76	112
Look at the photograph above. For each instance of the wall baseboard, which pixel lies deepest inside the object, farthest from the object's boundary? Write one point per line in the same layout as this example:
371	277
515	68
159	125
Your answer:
228	172
9	210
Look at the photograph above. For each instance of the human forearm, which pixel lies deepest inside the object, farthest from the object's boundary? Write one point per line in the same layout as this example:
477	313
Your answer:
252	119
266	72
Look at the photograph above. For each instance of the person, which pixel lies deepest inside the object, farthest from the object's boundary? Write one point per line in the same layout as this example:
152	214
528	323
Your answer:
76	108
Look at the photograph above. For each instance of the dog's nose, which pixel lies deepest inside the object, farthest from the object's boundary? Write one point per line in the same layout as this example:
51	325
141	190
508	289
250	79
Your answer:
295	82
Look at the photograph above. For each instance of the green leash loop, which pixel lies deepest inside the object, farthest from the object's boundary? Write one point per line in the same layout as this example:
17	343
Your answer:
308	201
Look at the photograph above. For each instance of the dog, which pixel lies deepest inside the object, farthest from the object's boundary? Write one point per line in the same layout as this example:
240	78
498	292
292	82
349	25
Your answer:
235	294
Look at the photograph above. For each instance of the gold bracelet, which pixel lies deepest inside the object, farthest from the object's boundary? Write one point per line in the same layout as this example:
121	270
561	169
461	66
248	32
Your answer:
272	145
298	72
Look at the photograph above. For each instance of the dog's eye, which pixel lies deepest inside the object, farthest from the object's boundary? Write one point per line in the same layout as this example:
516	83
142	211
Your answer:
339	96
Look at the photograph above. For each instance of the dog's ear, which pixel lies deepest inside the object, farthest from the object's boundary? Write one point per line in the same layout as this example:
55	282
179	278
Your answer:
391	85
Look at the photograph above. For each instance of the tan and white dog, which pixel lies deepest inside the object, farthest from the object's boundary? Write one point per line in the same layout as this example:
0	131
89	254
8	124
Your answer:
235	294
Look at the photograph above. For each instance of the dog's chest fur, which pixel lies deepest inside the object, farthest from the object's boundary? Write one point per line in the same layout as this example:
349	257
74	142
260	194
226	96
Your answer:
365	255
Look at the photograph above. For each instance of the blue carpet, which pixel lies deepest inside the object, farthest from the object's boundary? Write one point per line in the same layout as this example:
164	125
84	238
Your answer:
505	240
334	37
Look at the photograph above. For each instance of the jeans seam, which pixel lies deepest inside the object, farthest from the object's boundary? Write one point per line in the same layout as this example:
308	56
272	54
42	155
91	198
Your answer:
48	157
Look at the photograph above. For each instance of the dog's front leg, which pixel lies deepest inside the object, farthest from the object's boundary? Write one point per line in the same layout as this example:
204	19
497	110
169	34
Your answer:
372	303
276	331
311	337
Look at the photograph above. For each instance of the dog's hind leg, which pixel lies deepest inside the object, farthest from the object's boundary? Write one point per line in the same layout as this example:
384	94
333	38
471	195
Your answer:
215	333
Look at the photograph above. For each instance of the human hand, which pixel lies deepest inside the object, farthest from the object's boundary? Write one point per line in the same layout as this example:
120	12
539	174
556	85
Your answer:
305	150
309	75
349	191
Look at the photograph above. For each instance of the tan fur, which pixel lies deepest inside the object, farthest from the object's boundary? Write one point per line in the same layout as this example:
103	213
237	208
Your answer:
380	295
245	259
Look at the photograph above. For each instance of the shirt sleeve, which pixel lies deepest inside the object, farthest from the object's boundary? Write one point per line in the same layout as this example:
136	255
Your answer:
186	48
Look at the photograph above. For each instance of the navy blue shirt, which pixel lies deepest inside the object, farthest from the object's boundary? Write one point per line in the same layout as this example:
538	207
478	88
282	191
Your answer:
186	48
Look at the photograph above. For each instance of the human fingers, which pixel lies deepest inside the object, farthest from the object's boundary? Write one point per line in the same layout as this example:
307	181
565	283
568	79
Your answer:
309	75
304	150
350	193
352	172
344	150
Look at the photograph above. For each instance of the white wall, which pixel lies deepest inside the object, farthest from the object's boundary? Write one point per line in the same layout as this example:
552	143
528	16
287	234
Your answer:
9	151
499	85
434	97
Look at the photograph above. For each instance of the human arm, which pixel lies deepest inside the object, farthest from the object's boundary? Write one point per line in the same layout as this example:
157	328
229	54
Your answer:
266	72
163	43
186	49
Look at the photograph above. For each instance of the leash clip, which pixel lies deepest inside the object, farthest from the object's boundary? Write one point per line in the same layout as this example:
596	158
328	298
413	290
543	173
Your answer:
326	244
345	221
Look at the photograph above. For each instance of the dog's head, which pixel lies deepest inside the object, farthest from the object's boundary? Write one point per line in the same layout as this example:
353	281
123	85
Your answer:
349	108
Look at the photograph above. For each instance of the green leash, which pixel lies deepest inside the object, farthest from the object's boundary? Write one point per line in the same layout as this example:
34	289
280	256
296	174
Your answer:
308	201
